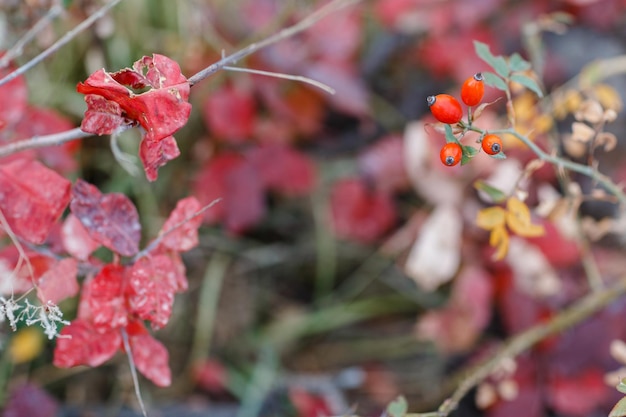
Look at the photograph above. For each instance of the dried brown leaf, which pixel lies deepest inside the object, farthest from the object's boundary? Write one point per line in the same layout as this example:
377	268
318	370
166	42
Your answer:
607	140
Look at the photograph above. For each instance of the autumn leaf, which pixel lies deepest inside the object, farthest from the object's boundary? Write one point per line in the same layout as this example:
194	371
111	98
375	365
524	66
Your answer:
182	237
111	219
161	110
155	154
149	355
32	198
490	218
359	213
499	238
81	344
76	239
59	282
106	298
519	221
152	283
230	113
283	169
516	217
11	111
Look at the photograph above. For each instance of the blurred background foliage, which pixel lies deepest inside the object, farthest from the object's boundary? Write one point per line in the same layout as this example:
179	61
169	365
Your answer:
298	295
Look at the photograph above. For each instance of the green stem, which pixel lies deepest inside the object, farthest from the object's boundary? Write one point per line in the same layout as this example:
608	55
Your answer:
585	170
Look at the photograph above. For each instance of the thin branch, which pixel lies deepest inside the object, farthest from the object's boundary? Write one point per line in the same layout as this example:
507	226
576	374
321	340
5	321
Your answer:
326	88
586	170
43	141
569	317
557	161
60	43
156	242
302	25
133	371
17	49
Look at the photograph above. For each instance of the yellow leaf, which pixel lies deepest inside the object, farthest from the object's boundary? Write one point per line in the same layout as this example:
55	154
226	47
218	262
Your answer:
519	221
608	97
499	239
490	218
26	345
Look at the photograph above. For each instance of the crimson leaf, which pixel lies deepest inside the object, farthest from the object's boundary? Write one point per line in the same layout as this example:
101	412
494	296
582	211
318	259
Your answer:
152	282
182	237
111	219
32	197
150	356
81	344
59	282
106	298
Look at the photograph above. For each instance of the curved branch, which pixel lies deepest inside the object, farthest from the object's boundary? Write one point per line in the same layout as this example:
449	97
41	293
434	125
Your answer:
560	162
61	42
302	25
43	141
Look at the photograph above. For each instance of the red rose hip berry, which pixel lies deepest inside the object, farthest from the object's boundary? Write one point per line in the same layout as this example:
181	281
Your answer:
473	90
451	154
445	108
492	144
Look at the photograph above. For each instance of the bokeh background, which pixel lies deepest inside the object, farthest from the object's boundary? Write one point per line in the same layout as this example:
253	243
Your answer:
307	295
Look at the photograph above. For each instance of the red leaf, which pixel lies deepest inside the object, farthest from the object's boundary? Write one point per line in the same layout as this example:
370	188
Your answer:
161	72
244	201
185	236
210	375
18	280
151	357
560	251
32	197
307	404
59	282
383	163
284	169
41	121
106	298
76	239
210	184
233	179
230	114
155	154
456	327
391	12
161	111
338	36
12	110
81	344
30	400
152	282
577	395
111	219
178	270
102	116
359	213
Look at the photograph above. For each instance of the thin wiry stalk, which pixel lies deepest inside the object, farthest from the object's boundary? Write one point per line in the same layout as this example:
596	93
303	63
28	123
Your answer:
60	43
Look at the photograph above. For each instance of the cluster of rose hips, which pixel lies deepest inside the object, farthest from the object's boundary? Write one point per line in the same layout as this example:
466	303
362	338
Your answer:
447	109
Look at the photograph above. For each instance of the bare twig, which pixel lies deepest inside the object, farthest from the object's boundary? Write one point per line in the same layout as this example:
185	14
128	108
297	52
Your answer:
302	25
133	371
559	162
17	49
60	43
299	78
43	141
156	242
